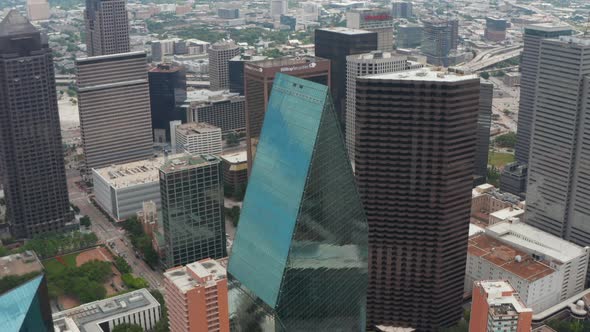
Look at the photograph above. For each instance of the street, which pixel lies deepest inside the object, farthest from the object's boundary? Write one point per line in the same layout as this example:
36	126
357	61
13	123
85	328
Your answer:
106	232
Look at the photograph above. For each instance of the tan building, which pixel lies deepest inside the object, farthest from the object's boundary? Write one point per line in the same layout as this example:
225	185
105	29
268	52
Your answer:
38	10
219	55
196	295
198	138
490	206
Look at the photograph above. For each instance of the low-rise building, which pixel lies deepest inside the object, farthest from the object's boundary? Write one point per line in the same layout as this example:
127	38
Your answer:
490	205
198	138
511	79
138	307
235	171
197	298
20	264
120	190
496	306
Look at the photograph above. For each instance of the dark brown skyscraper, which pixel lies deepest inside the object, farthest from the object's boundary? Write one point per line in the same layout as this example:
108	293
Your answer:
31	153
415	151
107	27
258	79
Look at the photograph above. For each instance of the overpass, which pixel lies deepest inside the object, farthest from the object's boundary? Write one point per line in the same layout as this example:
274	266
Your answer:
491	57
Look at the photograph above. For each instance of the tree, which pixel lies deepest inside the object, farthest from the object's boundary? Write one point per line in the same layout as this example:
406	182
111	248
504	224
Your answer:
122	265
85	221
232	139
162	324
127	328
134	282
484	75
506	140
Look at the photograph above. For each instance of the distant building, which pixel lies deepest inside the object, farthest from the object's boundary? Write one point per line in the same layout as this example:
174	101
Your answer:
278	8
288	21
192	209
37	10
487	200
440	39
220	109
199	138
114	106
107	27
401	9
335	44
259	77
495	29
138	307
513	179
228	13
236	71
309	273
511	79
496	306
235	171
162	48
167	94
417	206
197	298
120	190
219	55
26	307
409	36
375	62
20	264
484	124
148	217
32	167
376	20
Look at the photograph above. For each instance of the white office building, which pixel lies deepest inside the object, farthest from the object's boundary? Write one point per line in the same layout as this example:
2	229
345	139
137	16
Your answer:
138	307
199	138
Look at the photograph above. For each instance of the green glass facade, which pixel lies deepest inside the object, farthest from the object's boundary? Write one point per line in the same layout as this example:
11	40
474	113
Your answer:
299	259
191	189
26	308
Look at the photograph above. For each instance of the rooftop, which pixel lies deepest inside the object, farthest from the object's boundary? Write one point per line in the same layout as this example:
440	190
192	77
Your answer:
131	174
507	213
205	95
187	162
501	304
88	316
14	23
19	264
196	128
548	27
377	55
508	258
165	68
235	157
204	273
536	240
286	61
348	31
424	74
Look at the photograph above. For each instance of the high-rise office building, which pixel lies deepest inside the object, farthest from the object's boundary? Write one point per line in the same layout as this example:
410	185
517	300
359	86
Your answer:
513	178
409	36
26	307
192	209
401	9
484	124
31	151
258	79
376	20
236	71
308	272
439	39
224	110
114	105
228	13
278	8
167	94
219	55
335	44
497	307
199	138
415	150
495	29
107	27
37	10
375	62
529	66
558	198
196	295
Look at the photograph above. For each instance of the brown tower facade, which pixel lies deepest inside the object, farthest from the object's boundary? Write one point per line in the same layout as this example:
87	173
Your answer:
107	27
414	156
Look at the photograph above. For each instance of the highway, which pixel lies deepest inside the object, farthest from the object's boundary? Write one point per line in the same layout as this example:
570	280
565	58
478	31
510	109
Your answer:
106	232
491	57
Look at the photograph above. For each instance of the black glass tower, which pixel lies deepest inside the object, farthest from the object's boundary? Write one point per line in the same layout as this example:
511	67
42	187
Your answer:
31	152
167	93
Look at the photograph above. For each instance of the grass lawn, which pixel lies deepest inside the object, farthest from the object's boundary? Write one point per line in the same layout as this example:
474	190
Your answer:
499	159
53	265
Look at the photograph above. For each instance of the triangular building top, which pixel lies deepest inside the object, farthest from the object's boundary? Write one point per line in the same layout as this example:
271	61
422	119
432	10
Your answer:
16	24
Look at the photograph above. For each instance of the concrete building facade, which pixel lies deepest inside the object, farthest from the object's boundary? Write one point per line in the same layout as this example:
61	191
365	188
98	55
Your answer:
197	298
375	20
37	10
32	167
439	39
401	9
226	111
417	207
107	27
199	138
114	106
219	55
235	171
484	124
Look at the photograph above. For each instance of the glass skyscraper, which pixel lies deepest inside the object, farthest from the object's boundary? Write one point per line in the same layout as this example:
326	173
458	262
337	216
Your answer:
299	260
26	308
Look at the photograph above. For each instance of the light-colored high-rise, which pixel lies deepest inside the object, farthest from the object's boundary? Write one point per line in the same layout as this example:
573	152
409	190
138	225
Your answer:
37	10
114	104
558	188
199	138
107	27
376	62
219	55
278	7
376	20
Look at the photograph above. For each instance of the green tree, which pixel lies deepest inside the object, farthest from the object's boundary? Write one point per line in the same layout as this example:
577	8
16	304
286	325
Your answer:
162	324
127	328
232	139
10	282
134	282
122	265
506	140
485	75
85	221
